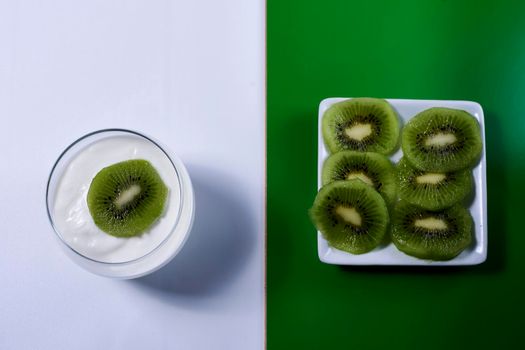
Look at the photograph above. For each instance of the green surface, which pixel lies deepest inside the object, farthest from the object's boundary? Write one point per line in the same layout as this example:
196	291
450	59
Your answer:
471	50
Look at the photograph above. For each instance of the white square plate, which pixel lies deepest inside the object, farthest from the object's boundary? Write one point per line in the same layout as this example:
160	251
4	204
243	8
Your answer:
389	255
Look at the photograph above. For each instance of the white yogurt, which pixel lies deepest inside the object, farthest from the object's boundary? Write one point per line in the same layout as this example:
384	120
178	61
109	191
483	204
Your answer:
71	214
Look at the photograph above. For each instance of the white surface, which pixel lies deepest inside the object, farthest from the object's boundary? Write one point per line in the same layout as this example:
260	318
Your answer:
189	73
71	214
389	255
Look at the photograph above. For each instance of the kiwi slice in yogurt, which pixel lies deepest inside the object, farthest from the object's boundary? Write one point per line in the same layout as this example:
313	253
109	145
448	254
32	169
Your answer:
125	199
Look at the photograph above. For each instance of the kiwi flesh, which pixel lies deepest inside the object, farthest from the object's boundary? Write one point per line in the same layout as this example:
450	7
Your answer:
373	169
432	190
126	198
350	215
442	140
433	235
361	124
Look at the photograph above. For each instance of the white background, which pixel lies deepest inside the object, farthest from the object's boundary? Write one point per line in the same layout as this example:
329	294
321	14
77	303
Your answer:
189	73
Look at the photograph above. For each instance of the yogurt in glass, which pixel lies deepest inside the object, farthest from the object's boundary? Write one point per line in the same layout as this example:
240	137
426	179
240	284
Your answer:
83	241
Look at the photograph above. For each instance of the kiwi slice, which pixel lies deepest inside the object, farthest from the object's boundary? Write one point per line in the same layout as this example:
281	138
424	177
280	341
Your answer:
442	140
432	190
434	235
351	216
361	124
126	198
373	169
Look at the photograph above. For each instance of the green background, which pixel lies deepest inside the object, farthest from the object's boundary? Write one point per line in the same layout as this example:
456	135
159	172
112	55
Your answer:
461	50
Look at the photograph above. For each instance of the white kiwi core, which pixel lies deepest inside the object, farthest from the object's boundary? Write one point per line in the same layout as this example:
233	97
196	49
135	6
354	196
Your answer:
361	176
431	224
359	131
431	178
127	196
349	214
441	139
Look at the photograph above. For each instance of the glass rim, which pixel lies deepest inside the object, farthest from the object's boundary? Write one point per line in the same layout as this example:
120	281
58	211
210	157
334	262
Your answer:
84	137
